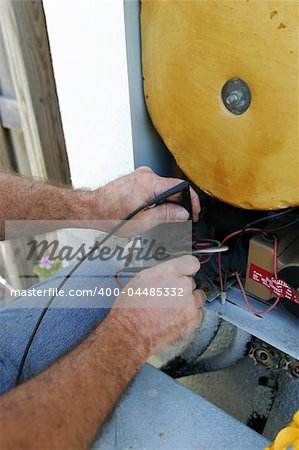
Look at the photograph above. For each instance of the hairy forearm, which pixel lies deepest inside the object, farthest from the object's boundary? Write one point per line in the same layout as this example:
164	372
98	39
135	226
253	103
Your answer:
28	199
64	407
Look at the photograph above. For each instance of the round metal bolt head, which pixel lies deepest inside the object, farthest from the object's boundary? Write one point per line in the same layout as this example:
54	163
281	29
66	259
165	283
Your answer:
236	96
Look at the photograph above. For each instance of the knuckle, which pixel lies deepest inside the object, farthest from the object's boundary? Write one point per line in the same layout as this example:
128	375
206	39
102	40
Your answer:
144	169
195	264
170	266
191	262
187	285
185	261
186	258
169	213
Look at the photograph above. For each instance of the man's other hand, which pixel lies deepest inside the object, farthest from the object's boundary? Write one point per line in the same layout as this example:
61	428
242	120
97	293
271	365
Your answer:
156	321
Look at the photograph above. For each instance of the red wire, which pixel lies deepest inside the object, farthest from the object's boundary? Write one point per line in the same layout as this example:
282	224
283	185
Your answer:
235	233
205	261
251	309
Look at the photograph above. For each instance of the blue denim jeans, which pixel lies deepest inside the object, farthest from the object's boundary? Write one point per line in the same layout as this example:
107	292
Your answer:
64	326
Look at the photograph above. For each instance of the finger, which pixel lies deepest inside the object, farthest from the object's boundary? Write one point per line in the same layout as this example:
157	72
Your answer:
167	183
195	204
185	265
163	184
166	212
188	284
200	297
193	283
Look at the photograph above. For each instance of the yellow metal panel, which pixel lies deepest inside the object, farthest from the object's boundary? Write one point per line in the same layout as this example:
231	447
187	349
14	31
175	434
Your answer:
189	50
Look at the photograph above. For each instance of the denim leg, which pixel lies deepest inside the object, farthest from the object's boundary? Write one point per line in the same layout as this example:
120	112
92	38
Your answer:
66	323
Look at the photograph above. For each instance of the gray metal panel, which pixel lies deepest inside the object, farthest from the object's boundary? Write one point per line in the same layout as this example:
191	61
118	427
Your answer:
159	413
148	147
277	328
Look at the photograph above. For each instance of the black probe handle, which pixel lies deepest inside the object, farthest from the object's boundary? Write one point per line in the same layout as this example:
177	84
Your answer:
187	200
181	187
174	190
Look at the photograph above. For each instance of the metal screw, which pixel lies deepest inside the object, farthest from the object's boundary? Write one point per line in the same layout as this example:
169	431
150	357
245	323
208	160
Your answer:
236	96
232	98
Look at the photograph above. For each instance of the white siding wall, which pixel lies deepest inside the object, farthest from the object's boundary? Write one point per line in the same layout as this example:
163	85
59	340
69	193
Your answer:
87	40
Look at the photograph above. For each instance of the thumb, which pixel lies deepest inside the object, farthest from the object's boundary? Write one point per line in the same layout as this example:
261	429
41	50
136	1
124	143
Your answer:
167	212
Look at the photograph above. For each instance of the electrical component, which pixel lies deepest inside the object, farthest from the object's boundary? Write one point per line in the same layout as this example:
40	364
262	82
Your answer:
237	275
260	281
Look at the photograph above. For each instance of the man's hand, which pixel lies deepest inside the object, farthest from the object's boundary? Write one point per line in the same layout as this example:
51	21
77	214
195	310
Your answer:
25	199
127	193
157	321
